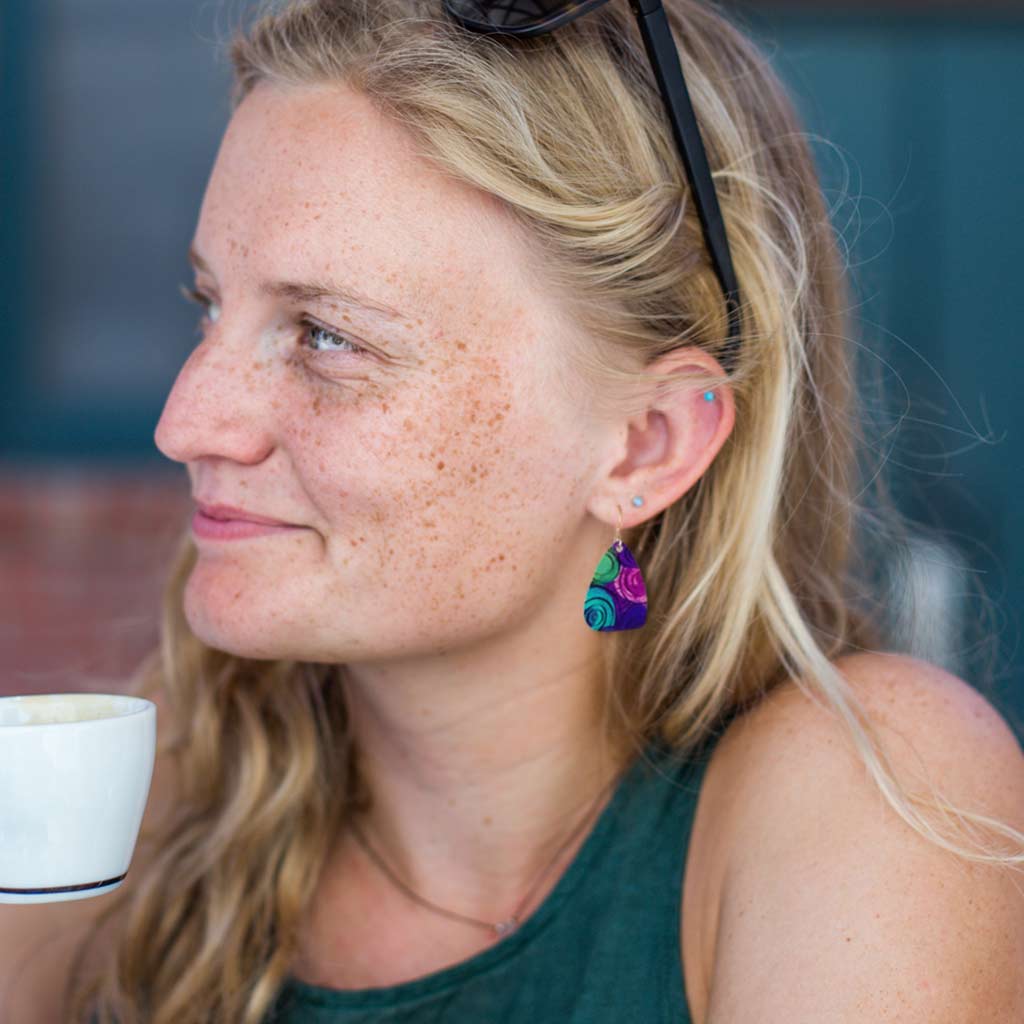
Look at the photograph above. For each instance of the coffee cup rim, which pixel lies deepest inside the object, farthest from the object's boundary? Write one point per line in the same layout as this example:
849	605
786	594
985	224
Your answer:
130	704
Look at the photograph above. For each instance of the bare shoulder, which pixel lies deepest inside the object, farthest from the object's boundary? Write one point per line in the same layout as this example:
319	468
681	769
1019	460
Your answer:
38	940
830	906
935	725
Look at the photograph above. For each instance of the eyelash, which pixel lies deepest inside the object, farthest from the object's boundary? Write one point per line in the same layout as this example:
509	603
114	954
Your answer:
198	297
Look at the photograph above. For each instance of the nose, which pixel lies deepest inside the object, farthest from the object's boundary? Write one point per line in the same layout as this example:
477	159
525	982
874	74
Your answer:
219	405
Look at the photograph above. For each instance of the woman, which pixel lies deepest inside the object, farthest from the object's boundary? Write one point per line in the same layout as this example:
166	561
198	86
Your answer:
461	335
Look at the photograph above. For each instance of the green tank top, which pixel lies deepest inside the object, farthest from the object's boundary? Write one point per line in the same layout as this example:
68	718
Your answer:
603	946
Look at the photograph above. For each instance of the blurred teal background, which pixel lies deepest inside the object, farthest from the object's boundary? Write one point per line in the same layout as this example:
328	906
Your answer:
112	112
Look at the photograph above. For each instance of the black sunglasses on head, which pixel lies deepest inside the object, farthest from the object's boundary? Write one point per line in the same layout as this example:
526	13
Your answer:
533	17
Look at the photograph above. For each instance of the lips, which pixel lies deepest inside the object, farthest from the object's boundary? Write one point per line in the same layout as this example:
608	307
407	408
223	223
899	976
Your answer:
232	512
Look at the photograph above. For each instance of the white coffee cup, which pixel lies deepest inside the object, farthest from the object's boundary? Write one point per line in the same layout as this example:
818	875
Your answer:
75	770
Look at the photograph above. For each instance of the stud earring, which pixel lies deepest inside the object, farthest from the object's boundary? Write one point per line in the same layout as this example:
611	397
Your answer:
617	597
709	396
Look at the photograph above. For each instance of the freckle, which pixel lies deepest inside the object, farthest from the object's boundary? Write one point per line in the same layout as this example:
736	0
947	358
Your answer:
461	346
487	820
501	558
238	594
440	465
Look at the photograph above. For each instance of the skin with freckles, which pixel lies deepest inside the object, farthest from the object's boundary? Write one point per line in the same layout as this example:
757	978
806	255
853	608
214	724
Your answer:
453	498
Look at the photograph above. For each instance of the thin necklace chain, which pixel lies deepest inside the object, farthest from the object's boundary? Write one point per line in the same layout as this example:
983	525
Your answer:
498	928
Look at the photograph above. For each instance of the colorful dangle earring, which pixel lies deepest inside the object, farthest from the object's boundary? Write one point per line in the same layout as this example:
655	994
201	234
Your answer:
617	596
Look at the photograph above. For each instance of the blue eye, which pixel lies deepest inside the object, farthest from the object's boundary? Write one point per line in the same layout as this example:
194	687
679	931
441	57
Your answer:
193	295
317	329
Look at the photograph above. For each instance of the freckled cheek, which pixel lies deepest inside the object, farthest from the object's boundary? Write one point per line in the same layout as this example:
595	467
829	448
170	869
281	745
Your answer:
454	455
476	441
333	429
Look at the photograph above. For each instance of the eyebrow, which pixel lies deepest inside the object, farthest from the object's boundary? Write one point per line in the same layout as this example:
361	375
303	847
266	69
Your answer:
309	291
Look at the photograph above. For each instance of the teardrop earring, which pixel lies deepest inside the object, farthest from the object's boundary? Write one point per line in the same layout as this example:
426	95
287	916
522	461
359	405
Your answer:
617	596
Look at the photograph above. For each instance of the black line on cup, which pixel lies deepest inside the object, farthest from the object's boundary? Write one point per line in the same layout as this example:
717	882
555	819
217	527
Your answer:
63	888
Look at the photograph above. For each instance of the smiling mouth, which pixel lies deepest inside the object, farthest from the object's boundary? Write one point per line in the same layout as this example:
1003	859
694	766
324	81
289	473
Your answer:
231	513
211	528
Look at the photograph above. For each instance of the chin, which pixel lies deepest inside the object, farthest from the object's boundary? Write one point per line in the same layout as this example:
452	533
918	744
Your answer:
254	647
226	623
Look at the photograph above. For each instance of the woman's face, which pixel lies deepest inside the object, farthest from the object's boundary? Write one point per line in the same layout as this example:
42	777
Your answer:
440	475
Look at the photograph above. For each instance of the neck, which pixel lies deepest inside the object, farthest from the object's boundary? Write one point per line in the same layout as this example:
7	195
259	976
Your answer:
479	767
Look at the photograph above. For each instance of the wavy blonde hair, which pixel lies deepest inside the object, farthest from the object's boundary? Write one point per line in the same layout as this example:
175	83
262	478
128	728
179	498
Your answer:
761	572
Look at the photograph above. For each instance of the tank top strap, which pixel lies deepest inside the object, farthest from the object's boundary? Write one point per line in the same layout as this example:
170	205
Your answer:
630	908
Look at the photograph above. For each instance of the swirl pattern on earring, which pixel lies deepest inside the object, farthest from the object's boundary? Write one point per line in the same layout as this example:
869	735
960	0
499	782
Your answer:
617	596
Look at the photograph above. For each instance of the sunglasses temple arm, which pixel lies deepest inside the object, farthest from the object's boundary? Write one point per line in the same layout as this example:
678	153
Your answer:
664	58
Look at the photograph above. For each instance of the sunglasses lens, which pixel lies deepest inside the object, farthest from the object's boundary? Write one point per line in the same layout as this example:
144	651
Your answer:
515	14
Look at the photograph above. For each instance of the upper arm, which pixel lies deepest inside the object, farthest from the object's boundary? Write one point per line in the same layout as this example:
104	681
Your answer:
38	940
833	909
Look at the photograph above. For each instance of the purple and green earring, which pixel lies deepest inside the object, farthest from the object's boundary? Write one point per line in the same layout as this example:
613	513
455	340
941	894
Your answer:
617	596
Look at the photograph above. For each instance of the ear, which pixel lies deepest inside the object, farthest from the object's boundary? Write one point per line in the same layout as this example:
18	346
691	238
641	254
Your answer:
667	448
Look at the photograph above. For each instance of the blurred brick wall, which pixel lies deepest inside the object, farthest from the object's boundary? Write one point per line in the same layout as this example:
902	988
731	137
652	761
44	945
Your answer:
83	556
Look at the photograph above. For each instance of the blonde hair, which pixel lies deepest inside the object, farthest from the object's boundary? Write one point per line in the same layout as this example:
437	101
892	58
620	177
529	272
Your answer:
761	572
